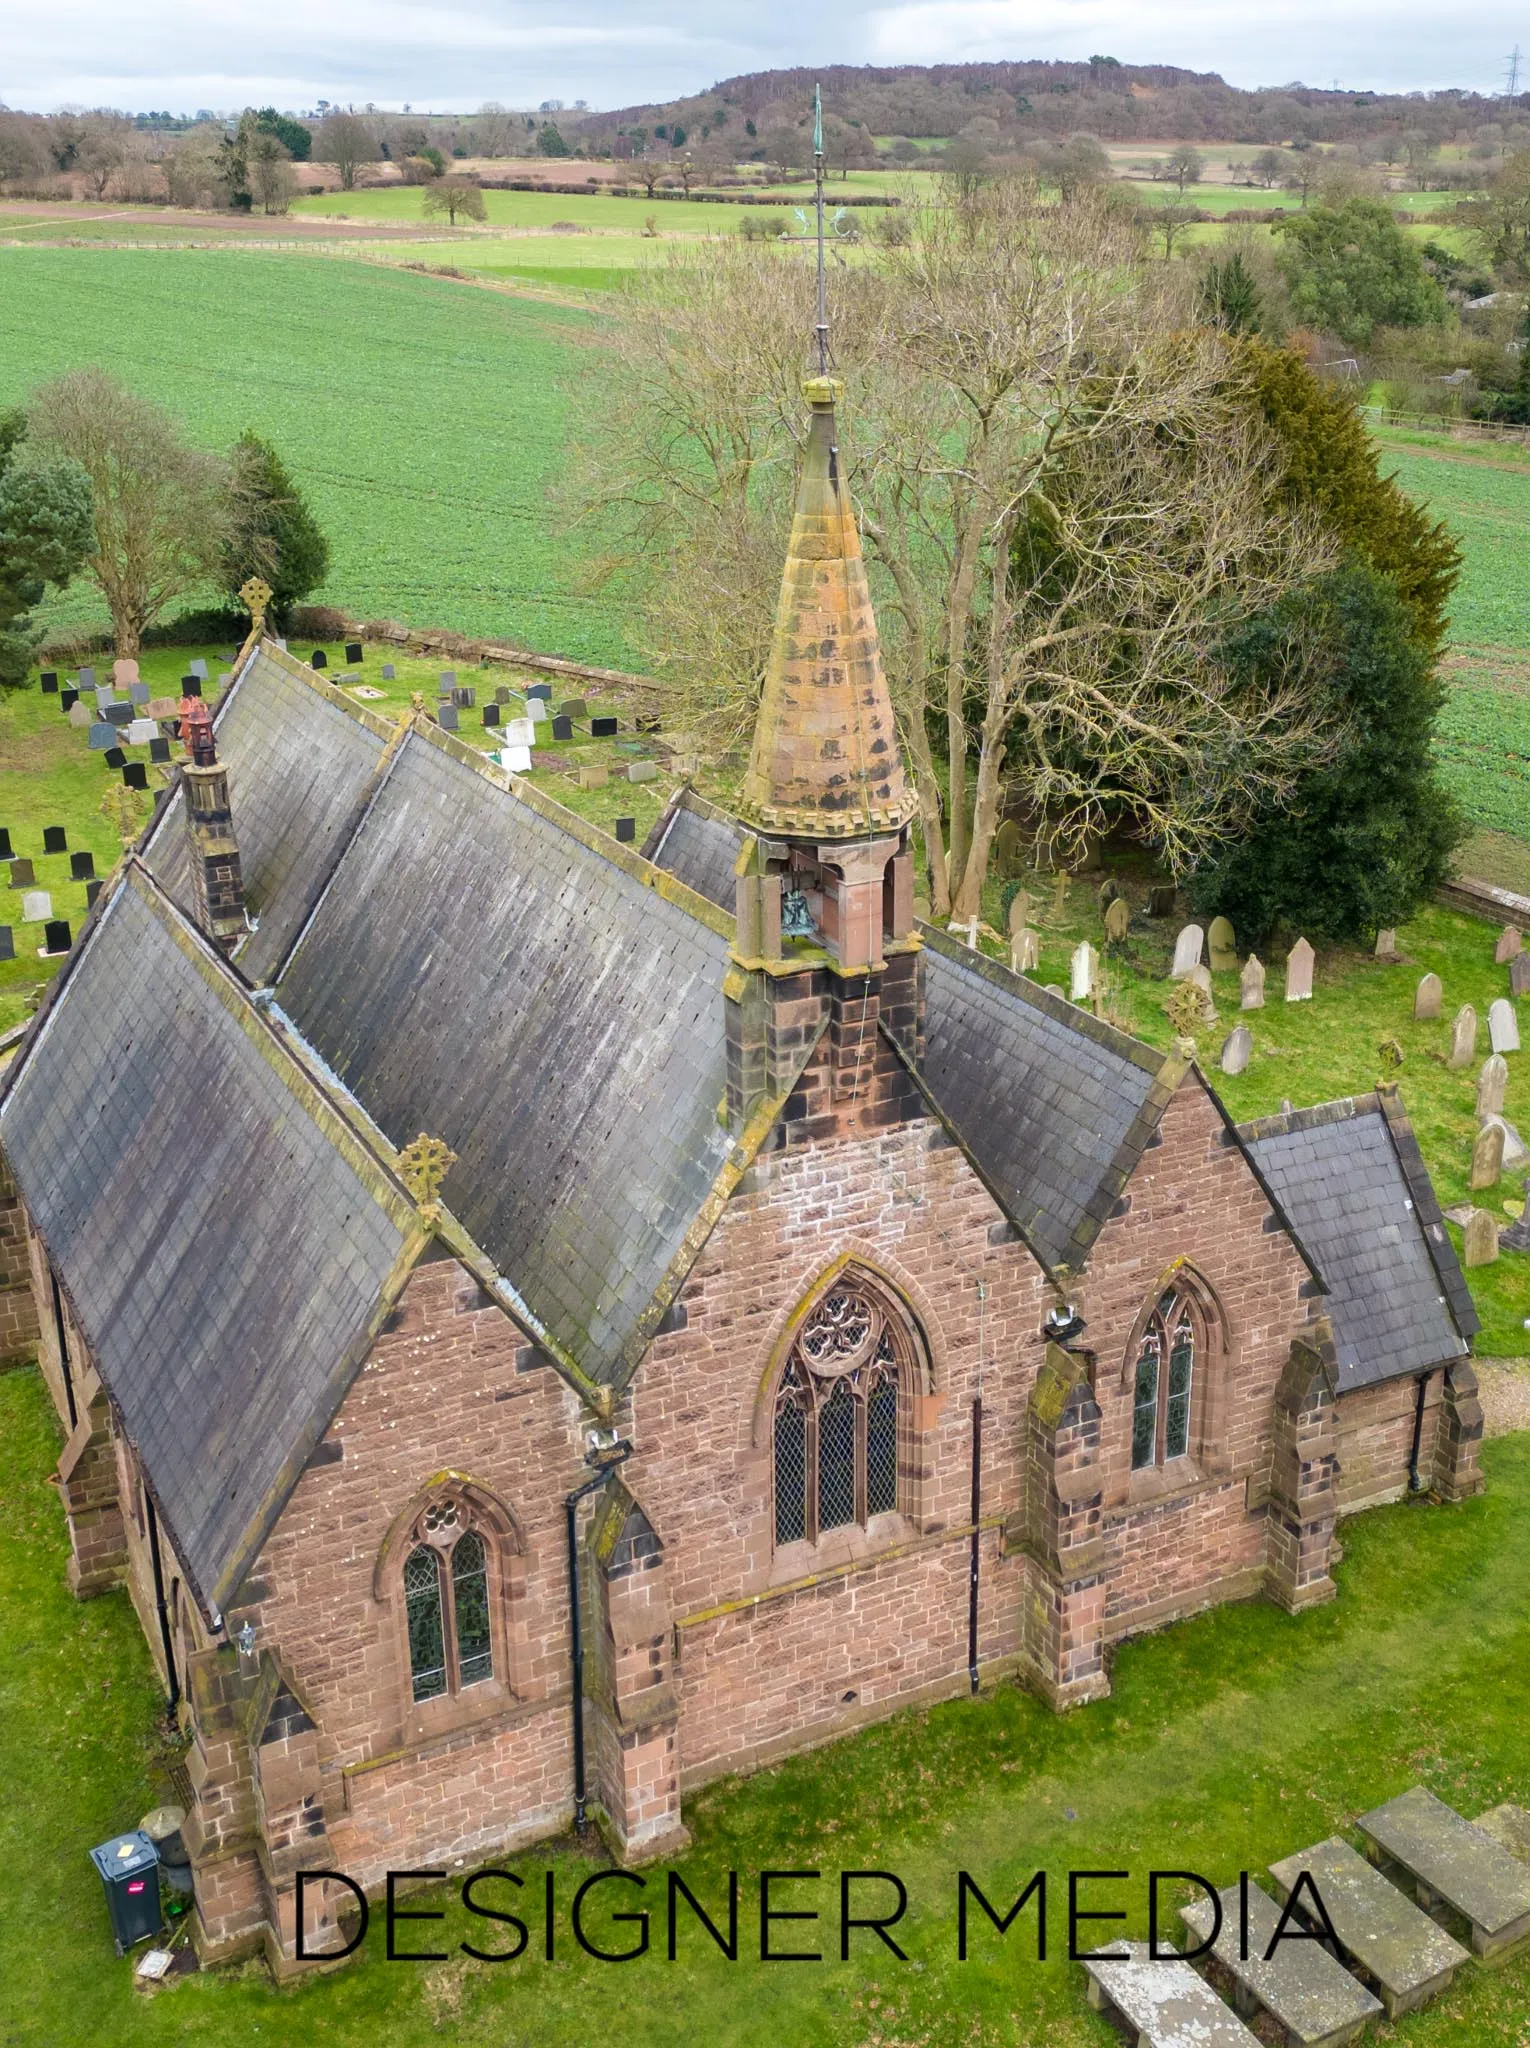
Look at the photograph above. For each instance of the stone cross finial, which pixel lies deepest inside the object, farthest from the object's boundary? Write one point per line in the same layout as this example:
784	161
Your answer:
123	812
423	1165
255	596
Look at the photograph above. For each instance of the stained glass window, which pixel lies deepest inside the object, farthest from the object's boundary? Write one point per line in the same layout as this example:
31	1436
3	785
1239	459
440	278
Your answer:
836	1420
836	1457
470	1610
1145	1403
1165	1374
882	1443
1181	1364
422	1601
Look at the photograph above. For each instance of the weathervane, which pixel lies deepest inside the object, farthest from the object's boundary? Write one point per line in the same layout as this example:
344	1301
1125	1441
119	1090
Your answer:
821	330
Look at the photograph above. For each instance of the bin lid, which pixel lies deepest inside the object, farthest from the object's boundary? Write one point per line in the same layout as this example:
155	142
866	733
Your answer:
124	1856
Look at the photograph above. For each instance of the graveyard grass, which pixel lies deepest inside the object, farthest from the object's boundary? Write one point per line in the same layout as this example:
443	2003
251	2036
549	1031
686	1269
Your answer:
1229	1741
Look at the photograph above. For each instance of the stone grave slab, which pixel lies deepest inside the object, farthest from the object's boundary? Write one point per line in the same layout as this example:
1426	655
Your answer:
446	682
1479	1239
140	732
1187	951
191	686
1503	1026
49	678
1118	920
1487	1158
1509	1826
118	715
502	693
516	759
318	659
574	707
164	707
1450	1860
36	906
1299	964
125	673
594	775
1386	945
1305	1988
159	750
67	699
1165	2004
643	771
536	709
1519	975
491	714
1428	998
22	876
102	736
92	891
81	717
115	758
519	732
1161	900
1405	1954
198	668
7	943
1463	1037
55	839
104	695
1237	1048
603	728
1251	984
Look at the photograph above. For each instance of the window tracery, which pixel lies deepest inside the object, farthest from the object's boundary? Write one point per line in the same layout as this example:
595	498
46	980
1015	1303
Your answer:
446	1603
836	1418
1163	1383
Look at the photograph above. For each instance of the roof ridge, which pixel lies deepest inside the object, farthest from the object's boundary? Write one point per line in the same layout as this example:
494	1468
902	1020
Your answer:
1427	1210
1340	1109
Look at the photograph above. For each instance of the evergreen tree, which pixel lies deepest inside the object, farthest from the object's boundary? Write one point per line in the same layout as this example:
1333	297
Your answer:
272	533
1230	297
1351	269
46	531
292	135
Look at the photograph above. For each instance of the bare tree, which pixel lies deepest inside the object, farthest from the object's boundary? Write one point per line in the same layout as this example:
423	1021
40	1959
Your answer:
1269	167
1171	223
160	507
345	141
1063	500
272	179
1500	219
102	150
452	196
1184	165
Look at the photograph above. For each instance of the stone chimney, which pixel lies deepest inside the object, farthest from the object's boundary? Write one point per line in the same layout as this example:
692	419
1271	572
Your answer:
217	887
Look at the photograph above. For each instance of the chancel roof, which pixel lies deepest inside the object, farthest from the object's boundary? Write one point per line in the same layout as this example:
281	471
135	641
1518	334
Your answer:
227	1246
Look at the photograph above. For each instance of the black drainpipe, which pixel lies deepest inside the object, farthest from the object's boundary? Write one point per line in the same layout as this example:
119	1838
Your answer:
617	1455
977	1509
63	1349
160	1607
1415	1482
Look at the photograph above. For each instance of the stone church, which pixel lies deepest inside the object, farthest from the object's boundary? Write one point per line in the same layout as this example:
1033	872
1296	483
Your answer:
538	1326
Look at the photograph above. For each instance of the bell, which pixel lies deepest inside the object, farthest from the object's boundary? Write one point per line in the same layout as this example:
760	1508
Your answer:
796	918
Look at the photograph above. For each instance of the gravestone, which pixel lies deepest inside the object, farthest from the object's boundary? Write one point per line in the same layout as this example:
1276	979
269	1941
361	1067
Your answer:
465	696
124	674
36	907
1386	945
92	891
1479	1239
502	693
541	691
49	679
626	830
118	715
1515	1154
1510	942
516	759
446	717
354	651
1109	890
1428	998
115	758
5	843
1118	920
389	672
1082	984
1251	984
1007	850
56	937
1487	1159
1491	1083
576	707
1224	946
519	732
1024	951
159	750
22	876
82	867
1187	951
1519	975
536	710
105	695
135	775
198	668
55	839
1299	962
491	714
1200	977
1455	1861
650	725
140	732
593	775
1019	911
601	728
562	728
1463	1038
67	699
138	693
164	707
1237	1049
643	771
7	943
318	659
87	679
81	717
191	686
1503	1026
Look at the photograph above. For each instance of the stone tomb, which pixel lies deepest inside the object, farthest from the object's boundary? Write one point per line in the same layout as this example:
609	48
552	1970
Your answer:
1224	946
1408	1958
1163	2004
1463	1038
1419	1838
1503	1026
1187	951
1308	1991
1299	965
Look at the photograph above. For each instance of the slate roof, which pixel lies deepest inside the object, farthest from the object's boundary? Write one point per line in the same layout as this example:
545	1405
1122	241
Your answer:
1055	1106
697	844
1396	1294
480	969
299	765
224	1241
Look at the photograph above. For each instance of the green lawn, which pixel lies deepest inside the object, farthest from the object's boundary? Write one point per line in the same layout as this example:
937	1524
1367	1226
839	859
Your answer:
1229	1741
425	420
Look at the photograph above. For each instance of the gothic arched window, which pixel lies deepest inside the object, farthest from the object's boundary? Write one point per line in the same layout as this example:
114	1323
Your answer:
1164	1379
836	1418
446	1603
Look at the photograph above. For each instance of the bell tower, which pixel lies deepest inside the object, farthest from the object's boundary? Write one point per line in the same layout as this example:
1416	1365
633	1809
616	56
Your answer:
217	886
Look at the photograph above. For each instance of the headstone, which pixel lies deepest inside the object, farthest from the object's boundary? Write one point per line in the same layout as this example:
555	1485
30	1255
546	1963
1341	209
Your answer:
650	725
1251	984
5	843
1487	1159
643	771
1237	1049
593	775
446	717
1386	945
465	696
491	714
135	775
49	679
1503	1026
67	699
198	668
1019	911
626	830
87	679
164	707
1187	951
56	937
562	728
191	686
1107	893
542	691
1491	1083
55	839
318	659
536	710
519	732
22	876
1479	1239
140	732
118	715
1519	975
1082	984
105	695
1427	999
354	651
7	943
1024	951
115	758
1463	1037
36	907
1515	1152
1224	946
601	728
446	681
516	759
1510	942
138	693
82	868
502	693
92	891
389	672
1161	900
576	707
124	674
159	750
1299	964
81	717
1118	920
1200	977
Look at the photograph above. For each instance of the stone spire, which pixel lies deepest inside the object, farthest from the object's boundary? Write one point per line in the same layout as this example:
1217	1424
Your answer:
825	764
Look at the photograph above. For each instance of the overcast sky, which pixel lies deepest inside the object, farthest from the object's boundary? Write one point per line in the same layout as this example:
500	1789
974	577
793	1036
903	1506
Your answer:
185	54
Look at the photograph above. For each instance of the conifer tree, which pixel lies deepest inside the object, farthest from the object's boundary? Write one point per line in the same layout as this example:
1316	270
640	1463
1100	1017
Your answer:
272	532
45	535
